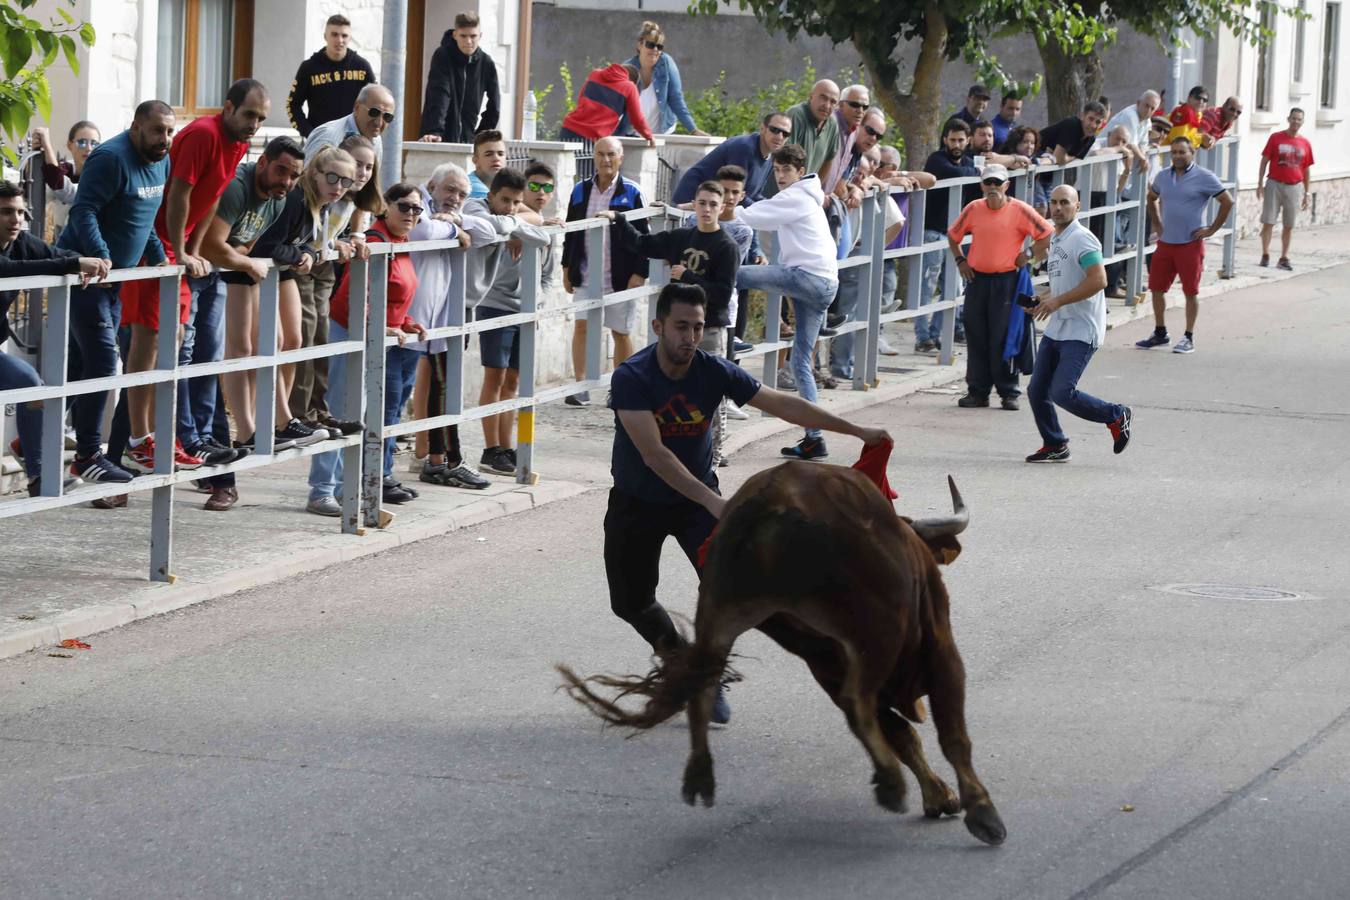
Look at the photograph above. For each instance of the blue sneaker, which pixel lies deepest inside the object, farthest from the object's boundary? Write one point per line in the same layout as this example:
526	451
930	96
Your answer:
721	711
807	448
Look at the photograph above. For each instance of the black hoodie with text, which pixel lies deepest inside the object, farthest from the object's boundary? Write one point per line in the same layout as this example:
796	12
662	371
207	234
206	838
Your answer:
328	88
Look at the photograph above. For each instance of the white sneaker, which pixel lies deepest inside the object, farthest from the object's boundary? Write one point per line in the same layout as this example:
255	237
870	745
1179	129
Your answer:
1185	345
735	412
886	349
416	464
324	506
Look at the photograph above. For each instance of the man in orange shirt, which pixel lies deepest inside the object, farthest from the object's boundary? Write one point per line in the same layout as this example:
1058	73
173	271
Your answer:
999	226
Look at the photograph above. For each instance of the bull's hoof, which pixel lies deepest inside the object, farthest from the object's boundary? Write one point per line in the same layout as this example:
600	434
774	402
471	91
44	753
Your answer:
890	794
983	821
947	805
699	782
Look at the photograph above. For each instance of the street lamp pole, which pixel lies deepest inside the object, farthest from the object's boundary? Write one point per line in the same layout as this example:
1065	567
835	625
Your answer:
393	62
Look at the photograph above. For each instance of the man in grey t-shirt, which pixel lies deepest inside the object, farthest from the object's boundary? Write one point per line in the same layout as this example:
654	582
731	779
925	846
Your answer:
1076	309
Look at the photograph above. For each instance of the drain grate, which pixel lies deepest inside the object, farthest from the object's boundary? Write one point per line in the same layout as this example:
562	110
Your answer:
1230	592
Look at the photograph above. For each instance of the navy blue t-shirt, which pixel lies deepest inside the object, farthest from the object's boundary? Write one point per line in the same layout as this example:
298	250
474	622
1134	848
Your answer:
684	412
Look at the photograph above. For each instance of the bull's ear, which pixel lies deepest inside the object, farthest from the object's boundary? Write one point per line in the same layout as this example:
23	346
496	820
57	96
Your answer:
945	549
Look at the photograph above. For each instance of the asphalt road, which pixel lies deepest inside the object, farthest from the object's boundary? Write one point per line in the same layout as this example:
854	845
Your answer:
390	727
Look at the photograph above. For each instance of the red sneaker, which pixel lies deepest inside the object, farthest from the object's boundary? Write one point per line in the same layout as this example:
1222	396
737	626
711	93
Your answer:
185	460
141	458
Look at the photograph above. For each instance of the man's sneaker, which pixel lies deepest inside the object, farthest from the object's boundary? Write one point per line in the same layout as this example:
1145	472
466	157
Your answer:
1120	430
785	381
1010	404
973	401
1058	454
807	448
342	426
581	399
825	381
393	492
721	711
1155	339
925	346
740	346
324	506
1185	345
885	349
1284	264
735	412
213	454
461	476
496	459
141	458
185	460
1265	260
98	469
298	434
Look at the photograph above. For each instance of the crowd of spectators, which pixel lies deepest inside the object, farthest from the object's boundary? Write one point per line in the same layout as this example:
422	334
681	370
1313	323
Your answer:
157	194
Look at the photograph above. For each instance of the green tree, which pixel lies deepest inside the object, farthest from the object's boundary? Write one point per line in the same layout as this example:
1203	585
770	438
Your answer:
944	29
1073	70
27	48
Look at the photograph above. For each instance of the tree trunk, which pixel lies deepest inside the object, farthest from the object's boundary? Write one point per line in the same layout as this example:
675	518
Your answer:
917	114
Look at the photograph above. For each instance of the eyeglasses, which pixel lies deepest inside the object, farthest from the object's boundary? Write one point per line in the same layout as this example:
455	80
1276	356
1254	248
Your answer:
873	132
653	45
86	143
335	178
376	113
992	182
540	187
781	132
857	104
409	208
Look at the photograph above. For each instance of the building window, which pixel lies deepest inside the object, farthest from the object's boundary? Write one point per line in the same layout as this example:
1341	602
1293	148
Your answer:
1300	40
203	46
1265	60
1331	51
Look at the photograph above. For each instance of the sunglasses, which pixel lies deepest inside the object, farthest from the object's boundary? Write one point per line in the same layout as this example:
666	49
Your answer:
335	178
377	113
653	45
781	132
873	132
409	208
857	104
992	182
86	143
540	187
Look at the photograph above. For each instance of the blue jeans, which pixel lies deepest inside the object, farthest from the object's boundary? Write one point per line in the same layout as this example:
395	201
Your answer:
1054	382
929	328
852	290
400	371
94	316
203	341
325	469
16	373
811	296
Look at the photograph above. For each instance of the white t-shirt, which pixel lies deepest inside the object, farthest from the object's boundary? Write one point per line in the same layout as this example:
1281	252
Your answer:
651	107
1072	252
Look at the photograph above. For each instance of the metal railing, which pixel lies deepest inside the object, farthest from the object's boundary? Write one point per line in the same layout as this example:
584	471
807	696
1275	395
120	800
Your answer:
367	342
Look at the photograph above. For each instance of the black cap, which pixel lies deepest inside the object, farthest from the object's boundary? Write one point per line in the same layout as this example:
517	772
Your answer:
978	91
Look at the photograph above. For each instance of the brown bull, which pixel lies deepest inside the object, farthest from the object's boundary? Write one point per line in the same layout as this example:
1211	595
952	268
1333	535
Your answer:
817	559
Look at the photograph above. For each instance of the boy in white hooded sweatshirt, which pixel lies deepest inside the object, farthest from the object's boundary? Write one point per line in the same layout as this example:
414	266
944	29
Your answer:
807	271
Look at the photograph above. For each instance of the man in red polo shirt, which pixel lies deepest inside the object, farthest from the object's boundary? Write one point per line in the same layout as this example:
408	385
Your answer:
1288	158
203	159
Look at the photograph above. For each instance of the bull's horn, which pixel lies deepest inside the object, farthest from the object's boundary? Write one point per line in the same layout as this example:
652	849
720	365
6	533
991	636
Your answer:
945	525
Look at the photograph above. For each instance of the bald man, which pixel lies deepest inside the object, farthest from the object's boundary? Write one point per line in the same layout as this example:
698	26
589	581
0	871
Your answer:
372	113
815	128
1075	308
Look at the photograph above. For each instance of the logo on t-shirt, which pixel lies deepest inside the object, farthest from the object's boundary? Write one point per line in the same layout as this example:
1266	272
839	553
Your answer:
1290	155
680	418
695	260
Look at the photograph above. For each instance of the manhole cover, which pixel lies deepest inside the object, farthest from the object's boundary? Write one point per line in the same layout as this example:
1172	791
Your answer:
1230	592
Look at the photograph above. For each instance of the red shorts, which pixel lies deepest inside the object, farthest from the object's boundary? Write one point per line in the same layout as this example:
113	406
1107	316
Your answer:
1173	261
140	300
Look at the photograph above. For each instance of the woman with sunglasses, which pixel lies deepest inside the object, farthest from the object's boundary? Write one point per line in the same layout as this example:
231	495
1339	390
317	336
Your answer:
63	175
293	240
403	209
659	87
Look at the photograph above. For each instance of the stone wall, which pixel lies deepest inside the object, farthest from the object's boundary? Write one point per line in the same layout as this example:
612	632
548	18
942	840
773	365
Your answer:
1329	205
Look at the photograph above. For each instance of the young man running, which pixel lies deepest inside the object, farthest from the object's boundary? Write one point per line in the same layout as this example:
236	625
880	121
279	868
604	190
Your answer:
665	483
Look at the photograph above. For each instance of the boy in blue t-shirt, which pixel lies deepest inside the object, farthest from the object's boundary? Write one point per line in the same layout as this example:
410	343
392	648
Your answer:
665	482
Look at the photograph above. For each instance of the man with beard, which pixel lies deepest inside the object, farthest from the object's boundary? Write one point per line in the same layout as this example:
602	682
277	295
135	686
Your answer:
112	219
665	481
952	161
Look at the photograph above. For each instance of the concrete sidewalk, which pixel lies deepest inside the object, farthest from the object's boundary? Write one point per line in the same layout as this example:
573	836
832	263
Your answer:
75	571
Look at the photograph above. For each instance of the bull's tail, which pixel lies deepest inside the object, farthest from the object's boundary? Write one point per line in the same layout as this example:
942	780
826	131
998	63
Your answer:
678	677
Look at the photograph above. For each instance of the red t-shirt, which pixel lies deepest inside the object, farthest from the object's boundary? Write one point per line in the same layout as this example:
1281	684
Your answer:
1185	114
402	285
1211	123
1289	155
203	155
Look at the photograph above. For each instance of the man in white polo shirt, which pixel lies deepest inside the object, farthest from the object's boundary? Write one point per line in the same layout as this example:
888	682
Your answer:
1076	308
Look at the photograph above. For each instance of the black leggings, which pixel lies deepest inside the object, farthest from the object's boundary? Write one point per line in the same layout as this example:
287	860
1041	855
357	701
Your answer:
634	532
441	441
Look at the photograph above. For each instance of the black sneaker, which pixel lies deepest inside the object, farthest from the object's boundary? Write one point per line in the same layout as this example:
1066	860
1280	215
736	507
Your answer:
742	346
972	401
1156	339
581	399
925	346
807	448
239	451
1010	403
98	469
342	426
1120	430
393	492
213	455
511	455
461	476
298	434
495	459
35	485
413	492
1058	454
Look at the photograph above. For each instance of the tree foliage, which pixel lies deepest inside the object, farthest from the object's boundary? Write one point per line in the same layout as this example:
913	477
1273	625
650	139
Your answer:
27	49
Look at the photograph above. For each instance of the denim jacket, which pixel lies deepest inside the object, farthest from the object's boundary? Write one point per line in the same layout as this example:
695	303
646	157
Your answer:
669	94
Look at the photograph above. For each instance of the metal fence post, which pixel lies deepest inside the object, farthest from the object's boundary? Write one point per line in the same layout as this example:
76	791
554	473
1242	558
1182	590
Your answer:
358	273
266	378
372	446
594	289
874	243
952	286
1230	239
918	210
1138	235
52	359
166	359
529	334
